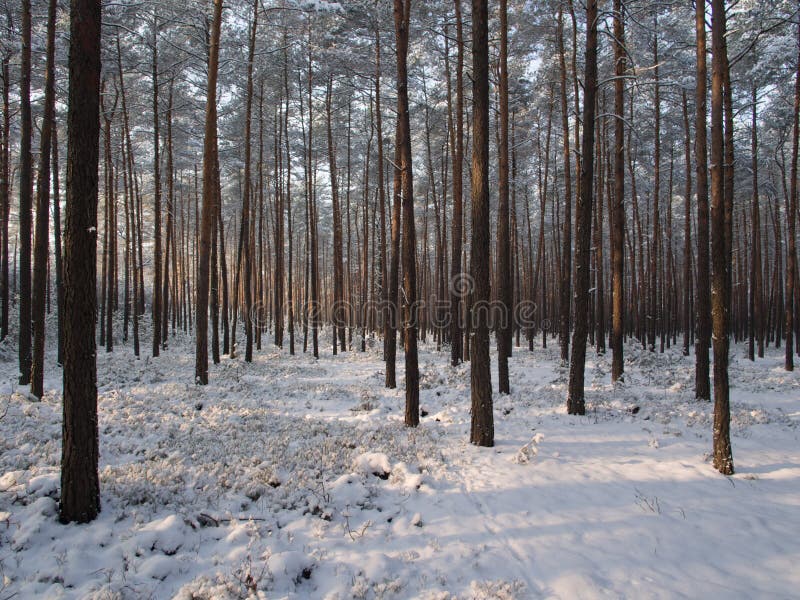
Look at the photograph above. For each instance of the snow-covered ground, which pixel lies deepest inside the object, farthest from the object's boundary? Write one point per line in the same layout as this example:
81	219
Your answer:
295	478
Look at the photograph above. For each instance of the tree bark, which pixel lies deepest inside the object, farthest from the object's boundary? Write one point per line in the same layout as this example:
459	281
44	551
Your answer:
402	13
41	243
702	388
687	233
156	199
456	291
482	427
723	458
791	259
4	199
504	281
583	220
565	284
80	484
209	200
338	315
25	200
618	213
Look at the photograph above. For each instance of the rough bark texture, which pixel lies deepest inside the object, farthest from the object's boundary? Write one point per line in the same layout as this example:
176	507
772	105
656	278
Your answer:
583	220
618	212
4	199
402	13
456	293
41	242
565	282
339	341
791	259
687	235
80	484
156	201
723	458
394	277
504	281
25	200
209	200
702	385
482	429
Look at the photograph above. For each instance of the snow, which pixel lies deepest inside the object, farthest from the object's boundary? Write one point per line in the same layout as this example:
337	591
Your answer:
295	478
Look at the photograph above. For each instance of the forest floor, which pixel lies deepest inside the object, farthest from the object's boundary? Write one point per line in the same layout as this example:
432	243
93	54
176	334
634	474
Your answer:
295	478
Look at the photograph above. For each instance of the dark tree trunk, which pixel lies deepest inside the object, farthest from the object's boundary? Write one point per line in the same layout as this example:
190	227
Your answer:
4	199
338	313
565	283
456	291
209	200
723	458
687	235
80	484
702	388
654	324
402	13
791	252
41	244
756	297
25	200
482	429
618	213
244	260
583	220
59	263
171	242
504	281
156	200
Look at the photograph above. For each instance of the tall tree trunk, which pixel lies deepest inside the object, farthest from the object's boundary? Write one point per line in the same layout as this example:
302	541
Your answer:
702	384
315	305
456	291
402	14
4	199
385	297
106	310
482	428
565	284
41	243
599	294
80	484
655	326
59	263
618	213
260	313
130	215
687	233
394	274
25	200
209	198
278	286
504	281
791	258
171	242
245	258
338	315
156	199
756	298
289	218
723	458
583	220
